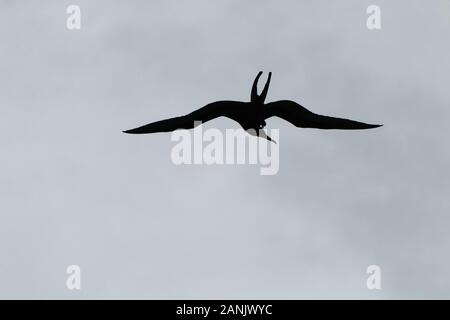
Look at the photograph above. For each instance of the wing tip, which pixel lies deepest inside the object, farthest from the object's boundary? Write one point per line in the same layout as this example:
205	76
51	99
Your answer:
130	131
363	126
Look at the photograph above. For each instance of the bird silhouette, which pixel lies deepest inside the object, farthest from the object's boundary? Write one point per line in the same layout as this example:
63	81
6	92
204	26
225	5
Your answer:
252	115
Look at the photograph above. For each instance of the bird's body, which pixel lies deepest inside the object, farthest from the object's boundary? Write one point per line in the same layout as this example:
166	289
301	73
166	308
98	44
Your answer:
251	116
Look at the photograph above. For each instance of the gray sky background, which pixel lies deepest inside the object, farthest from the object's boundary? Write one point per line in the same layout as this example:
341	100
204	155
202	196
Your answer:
75	190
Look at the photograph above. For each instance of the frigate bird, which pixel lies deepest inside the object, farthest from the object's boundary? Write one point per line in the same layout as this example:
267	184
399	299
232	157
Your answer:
252	115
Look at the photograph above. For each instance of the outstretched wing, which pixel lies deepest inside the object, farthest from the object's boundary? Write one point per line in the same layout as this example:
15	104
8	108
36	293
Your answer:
302	117
229	109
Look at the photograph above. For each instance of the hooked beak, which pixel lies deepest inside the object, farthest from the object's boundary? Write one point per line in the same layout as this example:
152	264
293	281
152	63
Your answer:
262	134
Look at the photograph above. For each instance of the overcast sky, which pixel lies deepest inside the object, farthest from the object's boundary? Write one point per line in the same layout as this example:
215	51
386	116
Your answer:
75	190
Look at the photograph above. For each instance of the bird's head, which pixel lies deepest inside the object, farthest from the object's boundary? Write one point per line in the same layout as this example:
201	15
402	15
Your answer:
262	124
261	134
